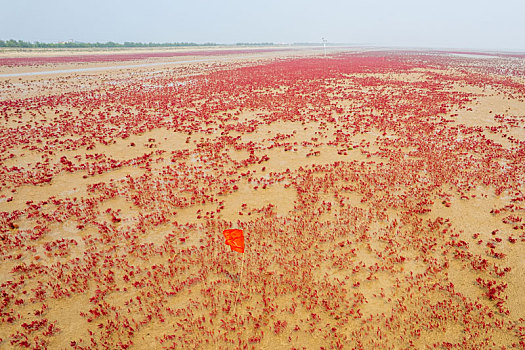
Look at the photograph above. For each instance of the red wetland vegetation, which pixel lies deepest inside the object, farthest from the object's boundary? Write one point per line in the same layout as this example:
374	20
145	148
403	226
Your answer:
381	196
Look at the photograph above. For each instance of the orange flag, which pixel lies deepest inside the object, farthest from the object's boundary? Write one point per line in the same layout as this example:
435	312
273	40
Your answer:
235	239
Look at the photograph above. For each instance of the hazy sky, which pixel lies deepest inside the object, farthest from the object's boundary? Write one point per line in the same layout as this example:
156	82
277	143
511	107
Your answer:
410	23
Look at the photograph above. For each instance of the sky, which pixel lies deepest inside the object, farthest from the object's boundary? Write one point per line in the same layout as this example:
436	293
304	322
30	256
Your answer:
462	24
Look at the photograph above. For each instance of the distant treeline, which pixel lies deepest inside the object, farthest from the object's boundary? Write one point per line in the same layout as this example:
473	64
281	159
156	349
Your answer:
255	44
110	44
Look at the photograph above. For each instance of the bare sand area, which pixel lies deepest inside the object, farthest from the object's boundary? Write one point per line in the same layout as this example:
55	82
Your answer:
159	51
381	196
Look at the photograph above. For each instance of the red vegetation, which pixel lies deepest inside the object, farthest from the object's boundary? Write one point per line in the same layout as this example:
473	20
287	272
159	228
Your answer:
361	261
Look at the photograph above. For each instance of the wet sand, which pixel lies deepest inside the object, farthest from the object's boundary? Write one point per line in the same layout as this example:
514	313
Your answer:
381	195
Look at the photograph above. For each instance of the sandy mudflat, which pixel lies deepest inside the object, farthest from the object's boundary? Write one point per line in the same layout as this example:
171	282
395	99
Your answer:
381	195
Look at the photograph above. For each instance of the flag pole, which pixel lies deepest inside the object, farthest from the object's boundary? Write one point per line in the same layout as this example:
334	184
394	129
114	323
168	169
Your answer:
239	289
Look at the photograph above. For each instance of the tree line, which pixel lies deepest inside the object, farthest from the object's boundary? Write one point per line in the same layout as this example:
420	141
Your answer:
109	44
